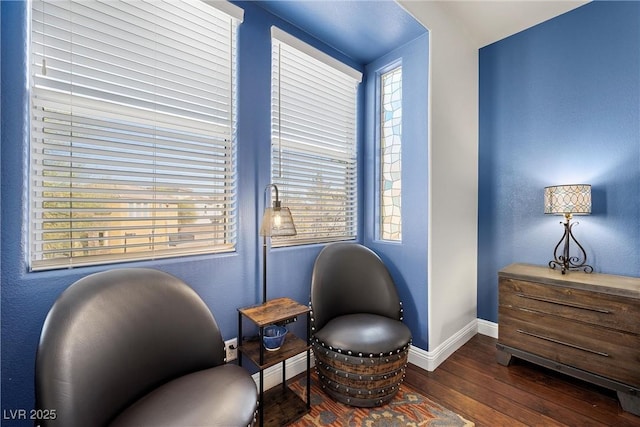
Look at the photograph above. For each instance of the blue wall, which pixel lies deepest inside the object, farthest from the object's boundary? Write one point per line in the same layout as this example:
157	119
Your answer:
407	260
225	282
560	104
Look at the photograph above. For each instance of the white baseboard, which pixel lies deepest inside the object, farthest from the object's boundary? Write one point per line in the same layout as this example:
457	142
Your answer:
428	360
488	328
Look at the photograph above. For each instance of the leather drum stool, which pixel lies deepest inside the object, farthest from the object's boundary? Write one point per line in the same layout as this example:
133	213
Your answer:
368	371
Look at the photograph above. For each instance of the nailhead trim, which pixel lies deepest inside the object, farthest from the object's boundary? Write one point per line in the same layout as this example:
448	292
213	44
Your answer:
371	355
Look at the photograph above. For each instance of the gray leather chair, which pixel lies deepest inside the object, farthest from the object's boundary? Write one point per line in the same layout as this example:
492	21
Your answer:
137	347
359	341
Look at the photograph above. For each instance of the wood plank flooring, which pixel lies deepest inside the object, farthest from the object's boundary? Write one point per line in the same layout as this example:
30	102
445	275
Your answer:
471	383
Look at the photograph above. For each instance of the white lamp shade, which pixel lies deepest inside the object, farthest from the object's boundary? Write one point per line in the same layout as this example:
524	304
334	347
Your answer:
568	199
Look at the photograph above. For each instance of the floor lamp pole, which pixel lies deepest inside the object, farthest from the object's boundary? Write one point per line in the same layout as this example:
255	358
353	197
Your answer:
264	269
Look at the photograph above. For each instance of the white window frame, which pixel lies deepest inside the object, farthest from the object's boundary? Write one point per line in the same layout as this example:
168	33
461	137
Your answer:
154	129
314	140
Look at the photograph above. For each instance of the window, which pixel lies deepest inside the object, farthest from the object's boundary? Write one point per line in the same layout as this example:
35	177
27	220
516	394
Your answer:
132	131
391	155
313	140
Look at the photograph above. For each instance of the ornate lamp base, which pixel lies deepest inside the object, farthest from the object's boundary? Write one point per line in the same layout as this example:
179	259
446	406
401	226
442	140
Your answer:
563	260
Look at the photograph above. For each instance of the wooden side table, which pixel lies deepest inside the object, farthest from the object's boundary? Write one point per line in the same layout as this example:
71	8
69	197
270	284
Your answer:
279	405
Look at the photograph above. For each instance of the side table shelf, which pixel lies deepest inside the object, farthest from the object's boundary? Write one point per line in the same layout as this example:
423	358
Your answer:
279	405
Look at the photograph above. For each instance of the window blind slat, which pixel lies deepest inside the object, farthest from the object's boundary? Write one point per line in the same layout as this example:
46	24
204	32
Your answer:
313	139
132	147
53	105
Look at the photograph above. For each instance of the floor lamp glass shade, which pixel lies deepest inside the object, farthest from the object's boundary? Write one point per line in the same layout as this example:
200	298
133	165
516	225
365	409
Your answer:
277	221
568	199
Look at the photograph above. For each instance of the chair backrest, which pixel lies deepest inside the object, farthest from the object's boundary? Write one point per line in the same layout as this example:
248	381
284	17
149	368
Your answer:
113	336
349	278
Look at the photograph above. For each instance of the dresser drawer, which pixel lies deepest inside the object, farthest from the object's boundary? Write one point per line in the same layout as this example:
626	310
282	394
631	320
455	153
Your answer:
603	351
594	308
585	325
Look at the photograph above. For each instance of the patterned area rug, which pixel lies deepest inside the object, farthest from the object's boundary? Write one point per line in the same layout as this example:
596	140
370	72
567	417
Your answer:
408	408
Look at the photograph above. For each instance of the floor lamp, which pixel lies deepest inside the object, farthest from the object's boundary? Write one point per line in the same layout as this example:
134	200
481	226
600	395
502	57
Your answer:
276	221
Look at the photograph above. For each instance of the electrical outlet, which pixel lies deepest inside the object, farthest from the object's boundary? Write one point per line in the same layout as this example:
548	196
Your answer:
231	349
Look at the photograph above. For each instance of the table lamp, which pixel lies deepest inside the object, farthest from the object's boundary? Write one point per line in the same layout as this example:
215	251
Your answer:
568	200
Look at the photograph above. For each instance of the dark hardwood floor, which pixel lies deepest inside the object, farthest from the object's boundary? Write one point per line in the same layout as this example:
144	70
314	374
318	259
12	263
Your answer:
471	383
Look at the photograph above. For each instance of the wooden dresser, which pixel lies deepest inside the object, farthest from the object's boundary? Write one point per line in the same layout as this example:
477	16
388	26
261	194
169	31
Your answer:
585	325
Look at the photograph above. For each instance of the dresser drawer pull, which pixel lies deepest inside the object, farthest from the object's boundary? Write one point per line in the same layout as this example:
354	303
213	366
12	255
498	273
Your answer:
560	302
542	337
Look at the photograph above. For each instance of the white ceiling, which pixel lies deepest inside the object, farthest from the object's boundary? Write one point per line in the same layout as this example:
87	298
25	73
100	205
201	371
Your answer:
487	21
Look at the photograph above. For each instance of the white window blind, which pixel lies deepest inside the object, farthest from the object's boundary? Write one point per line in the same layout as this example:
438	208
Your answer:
132	131
313	140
